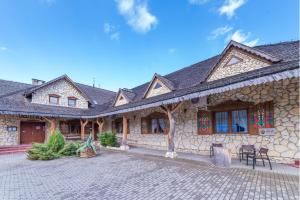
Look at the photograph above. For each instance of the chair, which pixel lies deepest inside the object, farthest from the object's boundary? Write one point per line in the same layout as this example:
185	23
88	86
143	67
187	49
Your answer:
262	155
244	150
211	148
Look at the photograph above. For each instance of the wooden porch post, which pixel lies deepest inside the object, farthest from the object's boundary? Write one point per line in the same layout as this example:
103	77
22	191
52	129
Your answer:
100	122
83	123
125	131
53	123
170	110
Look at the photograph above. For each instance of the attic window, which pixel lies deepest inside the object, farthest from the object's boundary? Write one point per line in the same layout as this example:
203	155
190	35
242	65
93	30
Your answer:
53	99
158	85
72	101
121	98
233	60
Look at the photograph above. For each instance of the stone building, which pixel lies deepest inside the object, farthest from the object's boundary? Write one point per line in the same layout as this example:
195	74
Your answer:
245	95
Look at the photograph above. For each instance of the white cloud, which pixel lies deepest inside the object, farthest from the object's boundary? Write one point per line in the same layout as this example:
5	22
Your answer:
111	30
229	7
198	2
241	37
219	31
3	48
172	50
137	15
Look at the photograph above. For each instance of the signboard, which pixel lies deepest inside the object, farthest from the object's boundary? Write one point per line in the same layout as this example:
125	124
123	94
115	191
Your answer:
267	131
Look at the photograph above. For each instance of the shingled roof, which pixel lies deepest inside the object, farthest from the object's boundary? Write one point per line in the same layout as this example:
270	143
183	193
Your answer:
285	56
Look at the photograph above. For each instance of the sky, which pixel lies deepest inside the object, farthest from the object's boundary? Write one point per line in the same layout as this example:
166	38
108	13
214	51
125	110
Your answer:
122	43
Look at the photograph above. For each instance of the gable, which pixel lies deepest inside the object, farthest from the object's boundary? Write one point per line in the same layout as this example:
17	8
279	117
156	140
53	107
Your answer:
121	100
236	61
157	87
64	90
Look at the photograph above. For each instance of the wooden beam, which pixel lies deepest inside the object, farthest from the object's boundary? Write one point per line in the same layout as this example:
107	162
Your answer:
100	122
170	110
125	130
83	123
52	122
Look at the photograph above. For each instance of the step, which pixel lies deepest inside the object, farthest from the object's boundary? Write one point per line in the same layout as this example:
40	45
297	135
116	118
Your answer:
11	152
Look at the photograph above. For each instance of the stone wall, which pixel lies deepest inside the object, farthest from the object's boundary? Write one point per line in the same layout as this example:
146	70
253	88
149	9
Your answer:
62	88
6	137
249	62
284	146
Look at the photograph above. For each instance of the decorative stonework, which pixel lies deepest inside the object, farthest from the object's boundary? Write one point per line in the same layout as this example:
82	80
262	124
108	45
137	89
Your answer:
62	88
157	91
248	63
9	137
283	147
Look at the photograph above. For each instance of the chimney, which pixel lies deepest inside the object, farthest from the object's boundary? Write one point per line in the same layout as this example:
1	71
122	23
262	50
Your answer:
37	82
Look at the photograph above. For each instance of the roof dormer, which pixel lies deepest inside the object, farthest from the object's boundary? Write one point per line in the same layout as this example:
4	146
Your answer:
238	58
124	96
158	85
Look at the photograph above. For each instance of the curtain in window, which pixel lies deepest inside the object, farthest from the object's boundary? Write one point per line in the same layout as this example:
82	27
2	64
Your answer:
154	126
239	121
221	122
162	125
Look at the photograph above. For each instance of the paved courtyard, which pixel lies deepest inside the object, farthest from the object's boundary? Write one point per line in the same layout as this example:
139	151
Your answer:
118	175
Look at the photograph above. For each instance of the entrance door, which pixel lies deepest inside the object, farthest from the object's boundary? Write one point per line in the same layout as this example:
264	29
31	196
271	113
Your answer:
32	132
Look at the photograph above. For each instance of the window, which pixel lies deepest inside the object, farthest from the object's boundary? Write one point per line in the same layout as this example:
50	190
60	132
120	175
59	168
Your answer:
233	60
221	122
235	117
155	123
53	99
157	86
239	121
72	102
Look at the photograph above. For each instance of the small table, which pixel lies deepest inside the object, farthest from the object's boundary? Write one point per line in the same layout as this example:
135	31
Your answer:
222	157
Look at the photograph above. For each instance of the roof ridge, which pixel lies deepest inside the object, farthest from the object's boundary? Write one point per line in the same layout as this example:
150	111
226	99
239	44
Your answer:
95	87
277	43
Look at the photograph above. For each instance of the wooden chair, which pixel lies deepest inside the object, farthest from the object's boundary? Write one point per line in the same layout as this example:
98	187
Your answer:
211	148
244	150
262	154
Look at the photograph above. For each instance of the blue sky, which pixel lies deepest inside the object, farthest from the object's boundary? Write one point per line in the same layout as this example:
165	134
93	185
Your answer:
122	43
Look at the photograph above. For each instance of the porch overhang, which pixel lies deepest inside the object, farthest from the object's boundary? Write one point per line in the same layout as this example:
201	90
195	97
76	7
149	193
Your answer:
256	77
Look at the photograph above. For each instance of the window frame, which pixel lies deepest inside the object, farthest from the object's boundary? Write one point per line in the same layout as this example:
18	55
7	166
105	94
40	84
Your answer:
155	116
54	96
72	99
229	121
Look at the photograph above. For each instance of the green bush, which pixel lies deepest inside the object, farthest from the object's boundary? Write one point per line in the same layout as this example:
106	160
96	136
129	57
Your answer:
54	148
56	141
69	149
108	139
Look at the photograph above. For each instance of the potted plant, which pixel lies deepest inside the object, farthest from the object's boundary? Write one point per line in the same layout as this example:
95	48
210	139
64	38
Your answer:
88	149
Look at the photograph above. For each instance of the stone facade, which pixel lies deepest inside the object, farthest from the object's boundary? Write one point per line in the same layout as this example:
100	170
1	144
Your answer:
157	91
283	147
248	63
9	137
62	88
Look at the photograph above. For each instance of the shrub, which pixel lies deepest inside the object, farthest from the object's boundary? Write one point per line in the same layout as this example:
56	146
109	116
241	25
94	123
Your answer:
69	149
41	152
56	141
108	139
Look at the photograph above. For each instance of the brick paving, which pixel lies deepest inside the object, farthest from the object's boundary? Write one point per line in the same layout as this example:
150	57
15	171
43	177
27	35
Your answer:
119	175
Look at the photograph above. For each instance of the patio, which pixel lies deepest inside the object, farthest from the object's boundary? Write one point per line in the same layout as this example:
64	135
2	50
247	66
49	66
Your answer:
131	175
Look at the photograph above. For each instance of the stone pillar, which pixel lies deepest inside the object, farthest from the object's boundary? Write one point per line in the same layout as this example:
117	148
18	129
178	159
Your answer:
124	145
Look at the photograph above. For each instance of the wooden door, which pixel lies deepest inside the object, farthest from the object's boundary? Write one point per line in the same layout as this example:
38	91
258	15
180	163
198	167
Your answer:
32	132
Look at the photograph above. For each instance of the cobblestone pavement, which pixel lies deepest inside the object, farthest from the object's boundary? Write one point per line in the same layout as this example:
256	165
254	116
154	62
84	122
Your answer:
117	175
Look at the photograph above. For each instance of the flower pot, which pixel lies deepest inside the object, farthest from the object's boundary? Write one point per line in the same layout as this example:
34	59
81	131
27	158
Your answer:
88	153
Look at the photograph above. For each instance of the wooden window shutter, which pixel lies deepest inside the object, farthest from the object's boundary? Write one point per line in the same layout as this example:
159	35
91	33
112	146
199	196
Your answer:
261	116
144	125
204	122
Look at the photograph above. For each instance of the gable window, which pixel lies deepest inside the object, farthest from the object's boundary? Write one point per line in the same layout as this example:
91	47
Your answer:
53	99
235	117
155	123
72	101
233	60
157	86
121	98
